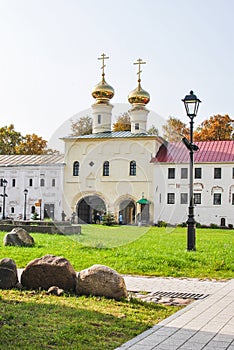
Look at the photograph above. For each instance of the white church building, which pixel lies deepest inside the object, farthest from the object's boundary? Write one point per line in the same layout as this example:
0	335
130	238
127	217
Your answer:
132	174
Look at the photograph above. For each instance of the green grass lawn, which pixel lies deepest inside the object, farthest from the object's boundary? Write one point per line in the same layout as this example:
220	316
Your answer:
33	320
137	250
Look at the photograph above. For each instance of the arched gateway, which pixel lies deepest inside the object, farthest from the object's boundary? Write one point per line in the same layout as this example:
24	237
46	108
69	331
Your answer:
128	210
89	209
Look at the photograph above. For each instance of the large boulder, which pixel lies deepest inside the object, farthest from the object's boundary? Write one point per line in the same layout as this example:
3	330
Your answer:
8	273
49	271
18	237
101	280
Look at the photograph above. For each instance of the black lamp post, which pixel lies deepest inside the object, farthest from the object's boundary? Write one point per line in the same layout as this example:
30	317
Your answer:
191	103
25	202
4	195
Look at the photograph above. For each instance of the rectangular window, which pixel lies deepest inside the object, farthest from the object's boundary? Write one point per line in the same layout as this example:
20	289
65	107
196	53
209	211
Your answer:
233	173
171	173
217	173
217	199
171	198
13	182
184	198
53	182
137	126
184	173
197	198
30	182
232	198
99	118
198	173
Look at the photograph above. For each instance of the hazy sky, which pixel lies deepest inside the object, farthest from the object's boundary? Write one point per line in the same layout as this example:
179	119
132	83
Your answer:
49	50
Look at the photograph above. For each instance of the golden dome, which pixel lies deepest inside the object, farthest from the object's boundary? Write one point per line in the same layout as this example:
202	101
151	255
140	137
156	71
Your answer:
139	95
103	92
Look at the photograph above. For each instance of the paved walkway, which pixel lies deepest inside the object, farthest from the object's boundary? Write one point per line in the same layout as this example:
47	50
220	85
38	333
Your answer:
204	324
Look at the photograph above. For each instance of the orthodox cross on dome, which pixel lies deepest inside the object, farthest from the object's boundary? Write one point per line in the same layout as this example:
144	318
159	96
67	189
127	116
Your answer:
139	62
103	58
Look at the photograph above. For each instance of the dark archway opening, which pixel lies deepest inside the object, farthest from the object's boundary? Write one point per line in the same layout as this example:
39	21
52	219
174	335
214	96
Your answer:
90	209
127	209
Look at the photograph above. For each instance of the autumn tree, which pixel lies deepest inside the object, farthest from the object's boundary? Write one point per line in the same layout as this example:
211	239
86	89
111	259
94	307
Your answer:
32	144
216	128
9	139
13	142
174	130
123	123
153	131
82	126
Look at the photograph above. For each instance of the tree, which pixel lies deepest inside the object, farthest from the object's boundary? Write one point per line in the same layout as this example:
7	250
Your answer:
32	144
9	139
123	123
12	142
153	130
82	126
175	130
216	128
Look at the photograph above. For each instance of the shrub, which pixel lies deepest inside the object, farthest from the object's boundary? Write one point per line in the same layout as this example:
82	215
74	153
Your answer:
108	219
162	223
230	226
213	226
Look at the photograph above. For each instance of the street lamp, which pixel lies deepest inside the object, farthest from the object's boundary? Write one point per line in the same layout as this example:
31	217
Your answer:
4	195
191	103
25	201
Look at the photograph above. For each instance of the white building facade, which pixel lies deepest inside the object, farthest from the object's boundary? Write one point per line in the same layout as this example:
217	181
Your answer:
213	183
41	176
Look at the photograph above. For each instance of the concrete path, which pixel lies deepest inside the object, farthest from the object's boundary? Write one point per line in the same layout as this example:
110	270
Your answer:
204	324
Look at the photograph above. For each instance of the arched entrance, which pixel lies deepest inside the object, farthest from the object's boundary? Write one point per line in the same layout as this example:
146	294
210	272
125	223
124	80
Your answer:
127	209
89	208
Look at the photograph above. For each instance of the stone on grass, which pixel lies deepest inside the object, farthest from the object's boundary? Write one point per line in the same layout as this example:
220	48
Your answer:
8	273
49	271
100	280
54	290
18	237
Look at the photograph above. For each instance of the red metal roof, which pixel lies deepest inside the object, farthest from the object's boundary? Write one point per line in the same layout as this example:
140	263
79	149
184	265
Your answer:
209	152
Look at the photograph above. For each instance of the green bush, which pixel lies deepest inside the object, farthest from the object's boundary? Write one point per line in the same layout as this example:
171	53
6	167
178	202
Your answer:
162	223
108	219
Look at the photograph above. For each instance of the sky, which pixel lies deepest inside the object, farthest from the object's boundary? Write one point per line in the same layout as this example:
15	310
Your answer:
49	51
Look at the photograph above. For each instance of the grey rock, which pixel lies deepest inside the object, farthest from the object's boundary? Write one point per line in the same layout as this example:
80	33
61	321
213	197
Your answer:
49	271
8	273
18	237
54	290
100	280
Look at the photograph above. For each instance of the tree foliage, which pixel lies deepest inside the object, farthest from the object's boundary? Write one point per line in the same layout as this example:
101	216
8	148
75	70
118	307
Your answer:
174	130
153	131
217	128
82	126
123	123
12	142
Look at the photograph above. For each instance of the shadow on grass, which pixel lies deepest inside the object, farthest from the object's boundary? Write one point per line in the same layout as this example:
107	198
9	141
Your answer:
48	322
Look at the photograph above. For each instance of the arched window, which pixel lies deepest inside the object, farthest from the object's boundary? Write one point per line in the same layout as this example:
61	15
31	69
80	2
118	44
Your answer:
76	168
42	182
132	168
106	168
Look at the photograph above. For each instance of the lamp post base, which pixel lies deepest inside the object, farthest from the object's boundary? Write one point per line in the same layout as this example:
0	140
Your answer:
191	234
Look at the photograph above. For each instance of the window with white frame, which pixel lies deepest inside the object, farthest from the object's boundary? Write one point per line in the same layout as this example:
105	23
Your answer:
198	173
217	198
197	198
184	173
184	198
217	173
171	173
171	198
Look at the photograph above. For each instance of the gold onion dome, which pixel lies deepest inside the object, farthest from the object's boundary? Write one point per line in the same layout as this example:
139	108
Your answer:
139	95
103	92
